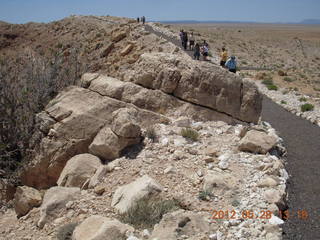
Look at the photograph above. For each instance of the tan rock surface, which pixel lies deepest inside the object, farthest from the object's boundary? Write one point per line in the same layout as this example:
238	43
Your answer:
99	228
25	199
78	170
257	142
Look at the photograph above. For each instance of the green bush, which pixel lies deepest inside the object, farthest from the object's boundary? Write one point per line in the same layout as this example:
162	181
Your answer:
190	134
65	232
288	79
205	195
267	81
147	212
272	87
302	99
283	102
307	107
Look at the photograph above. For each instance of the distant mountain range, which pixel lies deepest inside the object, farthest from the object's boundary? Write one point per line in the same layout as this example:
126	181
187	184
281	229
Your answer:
306	21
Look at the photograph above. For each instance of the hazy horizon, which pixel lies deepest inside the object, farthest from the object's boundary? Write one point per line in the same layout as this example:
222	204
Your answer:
271	11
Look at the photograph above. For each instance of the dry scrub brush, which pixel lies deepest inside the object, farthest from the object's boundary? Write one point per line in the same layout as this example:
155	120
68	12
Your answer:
28	81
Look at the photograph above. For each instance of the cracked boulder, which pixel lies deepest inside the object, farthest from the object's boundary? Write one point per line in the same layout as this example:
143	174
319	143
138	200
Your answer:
78	170
126	196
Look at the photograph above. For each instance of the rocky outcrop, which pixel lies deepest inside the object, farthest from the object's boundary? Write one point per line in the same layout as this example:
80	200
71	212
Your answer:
98	227
25	199
257	142
126	196
200	83
78	170
79	115
151	99
54	202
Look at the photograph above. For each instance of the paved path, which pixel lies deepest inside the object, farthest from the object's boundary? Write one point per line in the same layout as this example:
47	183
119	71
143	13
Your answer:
302	140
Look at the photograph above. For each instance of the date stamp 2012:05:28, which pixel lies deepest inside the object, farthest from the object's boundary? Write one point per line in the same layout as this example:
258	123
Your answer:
261	214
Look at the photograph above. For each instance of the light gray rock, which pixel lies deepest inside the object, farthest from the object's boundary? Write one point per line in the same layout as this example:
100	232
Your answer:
99	228
126	196
54	201
187	223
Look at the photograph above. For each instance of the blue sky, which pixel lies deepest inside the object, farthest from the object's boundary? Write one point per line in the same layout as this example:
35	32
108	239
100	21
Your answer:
21	11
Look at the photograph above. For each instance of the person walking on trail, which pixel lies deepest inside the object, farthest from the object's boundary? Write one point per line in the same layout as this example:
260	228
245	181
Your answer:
205	43
191	41
138	19
143	19
185	40
223	57
231	64
196	53
181	34
205	52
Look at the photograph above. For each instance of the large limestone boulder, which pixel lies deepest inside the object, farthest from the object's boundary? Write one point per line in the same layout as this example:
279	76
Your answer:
79	115
54	202
198	82
25	199
126	196
154	100
78	170
257	142
174	225
99	228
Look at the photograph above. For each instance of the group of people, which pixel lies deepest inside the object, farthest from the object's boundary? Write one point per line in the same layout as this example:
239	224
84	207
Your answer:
142	19
203	49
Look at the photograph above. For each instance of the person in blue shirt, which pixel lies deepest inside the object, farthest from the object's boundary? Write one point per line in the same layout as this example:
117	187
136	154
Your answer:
231	64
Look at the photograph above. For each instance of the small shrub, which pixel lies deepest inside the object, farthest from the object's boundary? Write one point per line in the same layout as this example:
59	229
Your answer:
151	134
302	99
307	107
282	73
244	62
272	87
65	232
148	211
59	45
267	82
190	134
283	102
288	79
235	203
205	195
296	89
